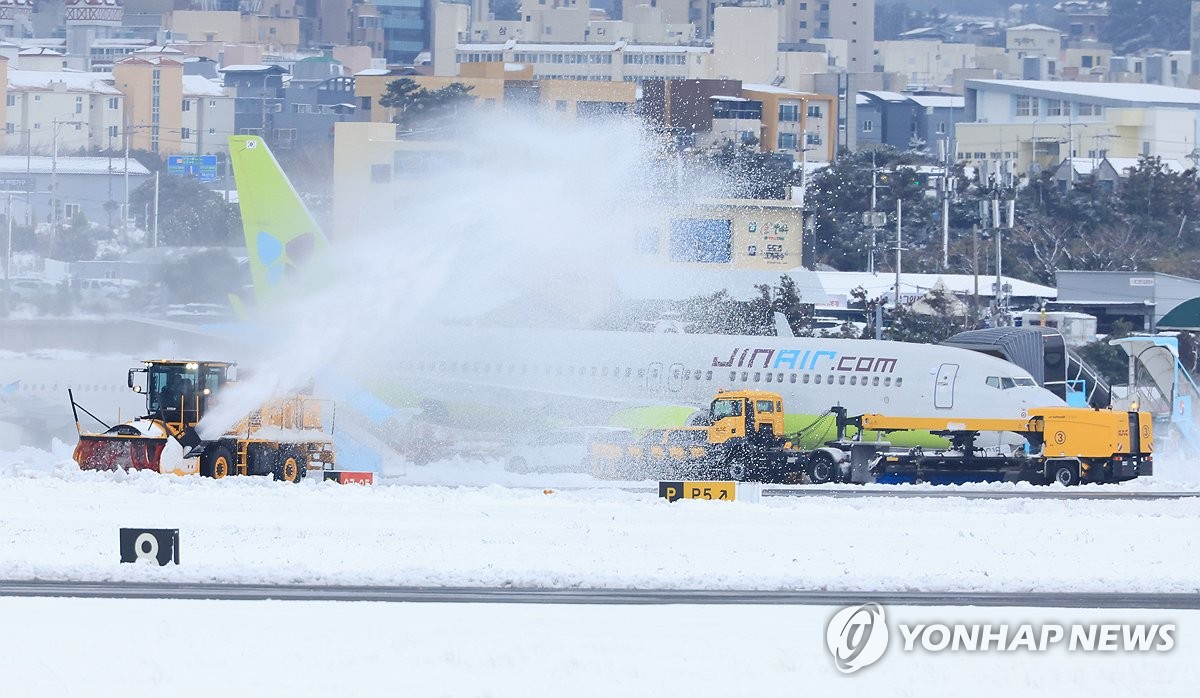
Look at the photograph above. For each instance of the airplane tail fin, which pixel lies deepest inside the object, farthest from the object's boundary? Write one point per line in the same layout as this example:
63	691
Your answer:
281	234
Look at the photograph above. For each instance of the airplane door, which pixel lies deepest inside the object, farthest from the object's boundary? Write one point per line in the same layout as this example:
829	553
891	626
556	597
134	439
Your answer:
675	378
943	389
654	376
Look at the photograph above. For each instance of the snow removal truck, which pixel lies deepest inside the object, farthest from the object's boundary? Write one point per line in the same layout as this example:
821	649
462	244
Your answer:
283	437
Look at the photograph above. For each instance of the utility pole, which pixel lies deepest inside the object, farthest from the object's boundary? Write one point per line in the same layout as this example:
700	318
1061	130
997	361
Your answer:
975	269
125	219
947	187
899	209
156	208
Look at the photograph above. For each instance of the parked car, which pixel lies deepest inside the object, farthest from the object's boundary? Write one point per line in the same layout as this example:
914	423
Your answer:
30	290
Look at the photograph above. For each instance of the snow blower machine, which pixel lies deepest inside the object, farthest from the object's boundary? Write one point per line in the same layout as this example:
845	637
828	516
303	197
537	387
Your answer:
284	437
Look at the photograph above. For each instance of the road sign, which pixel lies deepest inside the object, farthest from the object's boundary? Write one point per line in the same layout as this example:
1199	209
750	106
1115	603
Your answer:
201	167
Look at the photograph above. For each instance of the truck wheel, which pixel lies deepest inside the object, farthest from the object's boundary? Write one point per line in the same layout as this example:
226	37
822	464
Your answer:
1064	474
821	469
289	466
217	463
736	470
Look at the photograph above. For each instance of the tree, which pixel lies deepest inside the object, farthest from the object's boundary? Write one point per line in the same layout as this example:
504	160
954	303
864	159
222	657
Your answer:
74	242
189	213
204	276
416	105
744	171
1138	24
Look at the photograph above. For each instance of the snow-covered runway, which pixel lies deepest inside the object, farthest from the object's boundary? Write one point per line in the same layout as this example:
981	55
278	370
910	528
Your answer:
59	523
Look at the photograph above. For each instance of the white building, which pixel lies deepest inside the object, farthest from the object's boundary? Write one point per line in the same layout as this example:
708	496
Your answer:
604	62
207	117
49	110
1033	125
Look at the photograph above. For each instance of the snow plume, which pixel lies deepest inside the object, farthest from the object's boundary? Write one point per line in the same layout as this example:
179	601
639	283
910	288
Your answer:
519	220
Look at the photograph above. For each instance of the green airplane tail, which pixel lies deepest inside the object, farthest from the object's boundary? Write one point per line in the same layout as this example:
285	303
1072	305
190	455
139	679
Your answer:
281	234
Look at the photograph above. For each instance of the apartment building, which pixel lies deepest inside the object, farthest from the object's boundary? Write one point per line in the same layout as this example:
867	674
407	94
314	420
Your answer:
801	124
617	62
67	111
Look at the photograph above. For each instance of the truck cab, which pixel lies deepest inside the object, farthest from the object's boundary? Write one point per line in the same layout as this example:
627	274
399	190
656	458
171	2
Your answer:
740	414
179	392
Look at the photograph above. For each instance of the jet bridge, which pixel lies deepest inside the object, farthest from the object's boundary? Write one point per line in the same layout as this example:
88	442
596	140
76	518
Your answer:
1161	385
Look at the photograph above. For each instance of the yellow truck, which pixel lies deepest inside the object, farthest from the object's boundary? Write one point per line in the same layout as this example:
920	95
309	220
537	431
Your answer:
745	439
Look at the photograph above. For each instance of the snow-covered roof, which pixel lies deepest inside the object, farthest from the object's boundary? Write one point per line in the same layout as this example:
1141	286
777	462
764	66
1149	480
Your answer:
1122	164
662	282
41	164
374	71
1033	27
1083	166
773	89
885	95
200	86
40	51
161	50
249	68
42	80
514	67
940	101
728	98
1115	94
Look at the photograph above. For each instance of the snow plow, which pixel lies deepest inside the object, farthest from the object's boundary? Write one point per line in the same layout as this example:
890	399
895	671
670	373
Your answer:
285	437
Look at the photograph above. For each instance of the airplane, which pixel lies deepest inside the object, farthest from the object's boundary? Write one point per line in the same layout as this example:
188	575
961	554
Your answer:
486	380
35	410
649	379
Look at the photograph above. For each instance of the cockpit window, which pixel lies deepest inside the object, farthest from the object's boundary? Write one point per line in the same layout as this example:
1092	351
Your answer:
726	408
1005	382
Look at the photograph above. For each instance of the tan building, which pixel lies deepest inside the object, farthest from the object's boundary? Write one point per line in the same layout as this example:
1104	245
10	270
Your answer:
274	33
792	120
487	91
153	90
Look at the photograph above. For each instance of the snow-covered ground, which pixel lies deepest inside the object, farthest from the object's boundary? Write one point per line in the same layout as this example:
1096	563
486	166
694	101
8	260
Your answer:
62	524
100	648
437	525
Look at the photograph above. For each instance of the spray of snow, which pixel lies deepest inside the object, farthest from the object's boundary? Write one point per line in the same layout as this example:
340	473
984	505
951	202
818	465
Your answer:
527	215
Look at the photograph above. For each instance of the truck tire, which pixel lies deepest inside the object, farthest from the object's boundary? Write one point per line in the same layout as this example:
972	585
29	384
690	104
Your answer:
289	465
1065	473
735	468
821	469
217	462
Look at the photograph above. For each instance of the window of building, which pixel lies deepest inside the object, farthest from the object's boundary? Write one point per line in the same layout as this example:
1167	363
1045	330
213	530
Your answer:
11	100
37	98
814	111
788	141
1086	61
112	132
185	133
789	112
1026	105
10	128
941	127
187	105
868	126
69	210
812	138
1054	107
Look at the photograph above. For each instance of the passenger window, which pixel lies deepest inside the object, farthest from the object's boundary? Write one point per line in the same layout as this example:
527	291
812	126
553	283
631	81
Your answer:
708	376
875	380
841	380
793	378
768	378
817	380
804	378
899	381
853	380
887	381
732	376
745	376
756	376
